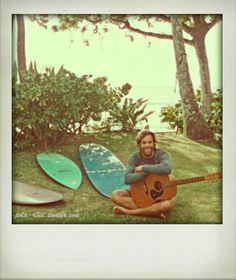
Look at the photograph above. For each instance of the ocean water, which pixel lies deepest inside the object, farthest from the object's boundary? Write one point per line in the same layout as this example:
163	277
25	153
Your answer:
154	120
157	97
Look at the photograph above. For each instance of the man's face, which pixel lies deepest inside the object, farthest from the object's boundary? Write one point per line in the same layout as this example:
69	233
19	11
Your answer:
147	146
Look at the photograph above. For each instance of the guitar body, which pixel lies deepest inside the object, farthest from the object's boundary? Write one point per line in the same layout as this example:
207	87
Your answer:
155	187
152	189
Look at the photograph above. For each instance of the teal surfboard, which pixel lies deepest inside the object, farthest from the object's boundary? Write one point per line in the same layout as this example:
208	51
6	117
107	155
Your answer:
104	169
61	169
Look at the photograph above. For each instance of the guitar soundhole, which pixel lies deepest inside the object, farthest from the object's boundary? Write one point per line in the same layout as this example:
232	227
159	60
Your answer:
154	194
158	186
158	190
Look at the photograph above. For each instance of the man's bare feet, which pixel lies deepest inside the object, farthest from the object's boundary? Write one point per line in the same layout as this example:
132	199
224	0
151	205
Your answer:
119	210
162	216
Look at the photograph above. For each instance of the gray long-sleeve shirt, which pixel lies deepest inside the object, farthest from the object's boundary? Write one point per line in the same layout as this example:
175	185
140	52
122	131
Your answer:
160	163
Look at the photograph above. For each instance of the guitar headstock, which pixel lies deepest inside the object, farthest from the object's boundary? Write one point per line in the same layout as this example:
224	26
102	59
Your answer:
213	176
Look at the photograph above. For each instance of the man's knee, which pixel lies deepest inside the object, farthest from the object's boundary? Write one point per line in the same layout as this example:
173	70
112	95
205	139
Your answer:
168	203
117	194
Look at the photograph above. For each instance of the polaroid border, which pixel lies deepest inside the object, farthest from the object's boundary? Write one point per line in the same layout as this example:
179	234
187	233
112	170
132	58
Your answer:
120	251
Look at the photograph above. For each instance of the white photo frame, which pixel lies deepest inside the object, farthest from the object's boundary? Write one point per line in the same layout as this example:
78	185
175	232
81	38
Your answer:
120	251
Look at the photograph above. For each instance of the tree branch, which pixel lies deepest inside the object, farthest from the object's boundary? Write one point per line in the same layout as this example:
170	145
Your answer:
151	34
91	20
186	28
215	20
164	18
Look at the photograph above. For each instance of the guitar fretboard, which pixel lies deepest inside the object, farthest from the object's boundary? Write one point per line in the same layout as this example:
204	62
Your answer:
185	181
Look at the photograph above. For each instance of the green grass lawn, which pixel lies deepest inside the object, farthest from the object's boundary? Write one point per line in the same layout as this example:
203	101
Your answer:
198	203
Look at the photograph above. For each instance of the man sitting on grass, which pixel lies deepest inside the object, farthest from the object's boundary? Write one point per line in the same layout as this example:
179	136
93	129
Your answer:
148	159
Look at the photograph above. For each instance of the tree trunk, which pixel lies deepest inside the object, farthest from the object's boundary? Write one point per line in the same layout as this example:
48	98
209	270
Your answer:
199	34
195	127
21	46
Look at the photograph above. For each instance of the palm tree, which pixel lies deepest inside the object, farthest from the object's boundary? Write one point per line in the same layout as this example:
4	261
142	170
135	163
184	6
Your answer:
195	126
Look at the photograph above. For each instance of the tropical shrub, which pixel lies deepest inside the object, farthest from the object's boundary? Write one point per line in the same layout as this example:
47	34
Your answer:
173	115
128	115
215	121
49	106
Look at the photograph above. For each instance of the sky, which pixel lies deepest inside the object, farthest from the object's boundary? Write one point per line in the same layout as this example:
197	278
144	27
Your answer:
148	64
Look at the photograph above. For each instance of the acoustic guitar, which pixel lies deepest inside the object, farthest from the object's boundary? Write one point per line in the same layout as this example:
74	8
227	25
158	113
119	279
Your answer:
154	187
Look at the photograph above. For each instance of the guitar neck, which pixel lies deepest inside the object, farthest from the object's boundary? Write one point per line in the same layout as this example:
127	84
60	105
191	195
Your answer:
188	180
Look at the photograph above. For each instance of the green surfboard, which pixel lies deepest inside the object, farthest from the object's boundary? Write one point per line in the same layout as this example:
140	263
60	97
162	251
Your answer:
61	169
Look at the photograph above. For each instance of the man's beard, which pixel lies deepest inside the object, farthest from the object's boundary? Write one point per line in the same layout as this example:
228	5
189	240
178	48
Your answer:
148	152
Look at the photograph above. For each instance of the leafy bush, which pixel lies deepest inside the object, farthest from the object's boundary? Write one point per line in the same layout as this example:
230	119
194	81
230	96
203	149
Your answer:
215	121
173	115
49	106
127	115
